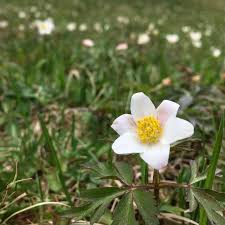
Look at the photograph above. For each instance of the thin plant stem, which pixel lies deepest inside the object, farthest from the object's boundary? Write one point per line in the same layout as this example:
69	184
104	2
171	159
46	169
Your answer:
156	180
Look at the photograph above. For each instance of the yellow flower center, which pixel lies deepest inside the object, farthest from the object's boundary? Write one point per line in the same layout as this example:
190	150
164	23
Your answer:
149	129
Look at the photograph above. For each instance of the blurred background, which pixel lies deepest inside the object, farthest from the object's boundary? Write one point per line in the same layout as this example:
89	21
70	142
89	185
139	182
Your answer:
76	64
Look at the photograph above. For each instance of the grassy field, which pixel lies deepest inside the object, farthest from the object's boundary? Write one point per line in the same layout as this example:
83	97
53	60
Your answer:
78	89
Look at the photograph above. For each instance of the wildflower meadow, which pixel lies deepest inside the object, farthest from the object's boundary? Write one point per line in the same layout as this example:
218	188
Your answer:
112	112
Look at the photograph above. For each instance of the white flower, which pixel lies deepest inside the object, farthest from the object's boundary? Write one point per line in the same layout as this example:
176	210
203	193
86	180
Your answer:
195	36
215	52
88	43
143	39
123	19
172	38
4	24
83	27
45	27
21	27
122	46
197	44
185	29
71	26
98	27
150	131
22	15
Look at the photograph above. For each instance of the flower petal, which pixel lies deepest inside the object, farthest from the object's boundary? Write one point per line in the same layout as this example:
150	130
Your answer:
157	155
167	109
176	129
128	143
141	106
124	123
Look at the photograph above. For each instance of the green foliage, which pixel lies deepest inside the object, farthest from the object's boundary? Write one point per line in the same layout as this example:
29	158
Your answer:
124	213
212	206
212	168
147	206
50	146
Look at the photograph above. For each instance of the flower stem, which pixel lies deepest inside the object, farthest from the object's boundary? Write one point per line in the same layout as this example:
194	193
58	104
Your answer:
156	180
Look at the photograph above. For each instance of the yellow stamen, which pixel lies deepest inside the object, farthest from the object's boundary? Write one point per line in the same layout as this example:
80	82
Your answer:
149	129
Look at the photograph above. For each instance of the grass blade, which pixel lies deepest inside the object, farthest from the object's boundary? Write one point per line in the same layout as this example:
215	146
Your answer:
50	146
212	168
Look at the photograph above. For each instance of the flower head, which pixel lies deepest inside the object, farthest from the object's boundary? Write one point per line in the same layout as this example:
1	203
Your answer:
122	46
143	39
71	26
88	43
45	27
150	131
172	38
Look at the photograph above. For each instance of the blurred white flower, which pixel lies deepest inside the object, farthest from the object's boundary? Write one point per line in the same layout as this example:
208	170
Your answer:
185	29
195	36
151	27
98	27
149	131
83	27
88	43
71	26
45	27
143	39
4	24
33	9
208	31
122	46
197	44
155	32
215	52
123	19
172	38
22	15
21	27
37	15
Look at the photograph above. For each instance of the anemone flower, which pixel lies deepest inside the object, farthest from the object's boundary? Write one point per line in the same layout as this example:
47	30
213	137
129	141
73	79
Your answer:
150	131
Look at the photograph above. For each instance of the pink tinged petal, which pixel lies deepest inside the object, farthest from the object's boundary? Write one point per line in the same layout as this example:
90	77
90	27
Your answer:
157	155
128	143
176	129
124	123
141	106
167	109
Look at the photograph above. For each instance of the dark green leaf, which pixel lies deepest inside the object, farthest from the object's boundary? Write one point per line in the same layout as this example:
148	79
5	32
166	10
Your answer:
146	205
212	166
99	193
124	213
125	172
211	206
99	212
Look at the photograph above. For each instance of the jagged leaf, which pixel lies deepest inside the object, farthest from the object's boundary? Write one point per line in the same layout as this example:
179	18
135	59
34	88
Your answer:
99	213
147	206
211	206
124	172
124	213
100	193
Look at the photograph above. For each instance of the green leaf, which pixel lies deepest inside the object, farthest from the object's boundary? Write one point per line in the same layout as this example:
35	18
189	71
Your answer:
124	212
78	213
212	166
50	146
98	197
99	193
194	171
125	172
219	196
99	213
146	205
192	202
211	206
